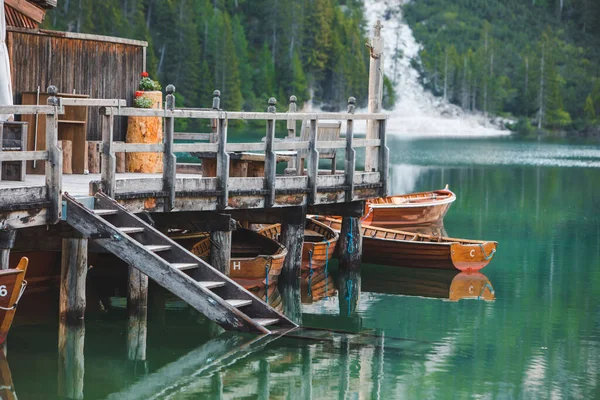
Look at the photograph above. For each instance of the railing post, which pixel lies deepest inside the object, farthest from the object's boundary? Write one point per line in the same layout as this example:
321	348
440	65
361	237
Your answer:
216	105
222	164
350	161
375	95
270	161
169	157
54	164
313	162
384	157
291	127
109	162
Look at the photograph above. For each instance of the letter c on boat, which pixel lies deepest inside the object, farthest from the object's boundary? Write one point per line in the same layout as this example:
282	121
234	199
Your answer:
472	253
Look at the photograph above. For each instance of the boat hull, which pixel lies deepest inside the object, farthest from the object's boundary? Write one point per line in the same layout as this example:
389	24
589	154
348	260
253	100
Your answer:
426	208
11	286
406	249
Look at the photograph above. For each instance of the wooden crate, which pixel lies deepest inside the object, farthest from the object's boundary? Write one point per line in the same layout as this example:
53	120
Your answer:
13	137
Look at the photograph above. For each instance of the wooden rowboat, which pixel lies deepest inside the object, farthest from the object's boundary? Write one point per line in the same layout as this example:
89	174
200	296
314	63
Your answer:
12	286
319	242
253	257
406	249
423	208
429	283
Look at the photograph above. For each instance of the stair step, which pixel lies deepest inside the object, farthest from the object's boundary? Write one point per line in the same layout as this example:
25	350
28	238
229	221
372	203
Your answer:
238	303
266	321
211	284
131	229
157	247
105	212
184	266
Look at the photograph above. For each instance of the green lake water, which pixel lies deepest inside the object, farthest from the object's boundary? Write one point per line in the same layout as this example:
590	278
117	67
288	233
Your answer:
539	339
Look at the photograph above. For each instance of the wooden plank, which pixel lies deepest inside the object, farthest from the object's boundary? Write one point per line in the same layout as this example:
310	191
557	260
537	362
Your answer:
122	147
313	162
30	110
19	219
384	158
290	232
191	136
109	162
285	145
367	143
53	170
66	147
80	102
222	165
83	36
195	147
201	114
94	149
73	275
23	155
270	164
350	160
246	146
375	96
188	168
332	144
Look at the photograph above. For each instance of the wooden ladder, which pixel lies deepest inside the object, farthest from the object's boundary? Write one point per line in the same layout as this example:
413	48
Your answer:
194	281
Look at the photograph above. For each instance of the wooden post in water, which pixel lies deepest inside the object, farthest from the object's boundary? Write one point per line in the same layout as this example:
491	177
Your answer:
137	306
306	375
375	95
7	242
71	366
220	250
350	243
73	273
264	371
292	234
349	284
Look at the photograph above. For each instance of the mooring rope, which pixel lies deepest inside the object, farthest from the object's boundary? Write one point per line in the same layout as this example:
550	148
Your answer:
23	286
487	256
310	272
349	296
351	246
327	270
487	285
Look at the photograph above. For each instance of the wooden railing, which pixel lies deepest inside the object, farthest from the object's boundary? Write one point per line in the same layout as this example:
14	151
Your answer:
223	185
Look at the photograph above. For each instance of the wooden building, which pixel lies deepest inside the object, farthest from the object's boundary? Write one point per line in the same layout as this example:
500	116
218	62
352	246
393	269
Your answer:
98	66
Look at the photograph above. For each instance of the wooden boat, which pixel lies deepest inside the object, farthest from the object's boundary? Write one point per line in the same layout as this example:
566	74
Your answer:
319	242
12	286
406	249
423	208
253	257
429	283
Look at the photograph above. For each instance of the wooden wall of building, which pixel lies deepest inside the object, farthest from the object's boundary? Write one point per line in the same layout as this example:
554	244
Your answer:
99	66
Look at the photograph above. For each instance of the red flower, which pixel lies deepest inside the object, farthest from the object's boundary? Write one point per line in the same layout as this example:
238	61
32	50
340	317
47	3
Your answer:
144	74
139	93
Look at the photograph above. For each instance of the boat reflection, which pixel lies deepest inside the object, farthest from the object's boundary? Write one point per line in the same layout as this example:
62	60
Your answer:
7	390
316	286
429	283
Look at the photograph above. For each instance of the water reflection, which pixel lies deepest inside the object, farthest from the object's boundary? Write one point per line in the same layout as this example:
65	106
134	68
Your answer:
429	283
7	390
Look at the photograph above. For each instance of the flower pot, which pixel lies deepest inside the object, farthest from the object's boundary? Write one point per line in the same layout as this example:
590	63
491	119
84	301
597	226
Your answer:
146	130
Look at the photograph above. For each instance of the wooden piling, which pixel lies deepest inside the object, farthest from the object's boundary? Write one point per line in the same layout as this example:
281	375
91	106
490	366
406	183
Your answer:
74	266
71	365
375	96
292	232
264	372
7	242
350	243
220	250
137	306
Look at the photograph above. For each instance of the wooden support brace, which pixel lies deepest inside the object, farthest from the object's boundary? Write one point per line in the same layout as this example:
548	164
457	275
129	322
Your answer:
74	266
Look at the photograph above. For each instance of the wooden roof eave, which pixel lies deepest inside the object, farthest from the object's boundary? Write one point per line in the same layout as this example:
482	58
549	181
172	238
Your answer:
27	8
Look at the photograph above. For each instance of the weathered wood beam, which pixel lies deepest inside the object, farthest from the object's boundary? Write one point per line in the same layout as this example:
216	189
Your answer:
194	221
375	95
349	209
312	169
350	160
291	237
28	9
109	161
384	158
137	306
270	158
169	158
55	161
73	275
294	215
222	164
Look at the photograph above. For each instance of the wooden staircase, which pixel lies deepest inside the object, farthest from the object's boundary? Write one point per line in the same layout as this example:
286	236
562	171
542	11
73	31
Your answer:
171	266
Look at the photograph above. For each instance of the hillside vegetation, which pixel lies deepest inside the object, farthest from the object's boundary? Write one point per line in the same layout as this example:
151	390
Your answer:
249	49
538	60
